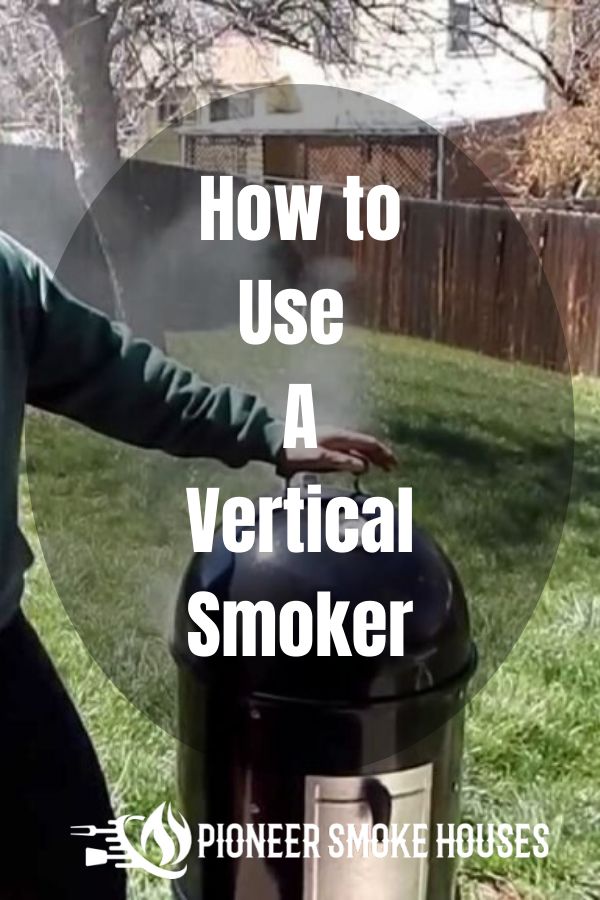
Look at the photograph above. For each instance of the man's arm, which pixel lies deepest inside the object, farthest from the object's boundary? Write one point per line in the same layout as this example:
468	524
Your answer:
83	366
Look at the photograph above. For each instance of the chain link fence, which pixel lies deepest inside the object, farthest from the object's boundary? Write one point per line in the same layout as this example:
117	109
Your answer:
407	162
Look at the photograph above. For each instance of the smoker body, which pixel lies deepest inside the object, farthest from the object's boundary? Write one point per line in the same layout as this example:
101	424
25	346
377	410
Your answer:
326	740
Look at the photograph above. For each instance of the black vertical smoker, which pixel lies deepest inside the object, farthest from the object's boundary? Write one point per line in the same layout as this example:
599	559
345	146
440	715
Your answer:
348	740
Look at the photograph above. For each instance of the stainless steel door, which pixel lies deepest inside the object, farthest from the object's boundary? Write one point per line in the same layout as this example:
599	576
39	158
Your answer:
400	798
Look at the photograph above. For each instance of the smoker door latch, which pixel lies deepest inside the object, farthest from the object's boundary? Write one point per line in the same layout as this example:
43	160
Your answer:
379	800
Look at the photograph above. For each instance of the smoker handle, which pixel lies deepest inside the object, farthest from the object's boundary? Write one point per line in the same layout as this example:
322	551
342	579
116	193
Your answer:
379	800
305	478
313	478
358	490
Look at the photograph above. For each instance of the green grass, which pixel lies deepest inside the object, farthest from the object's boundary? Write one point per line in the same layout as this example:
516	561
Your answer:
486	447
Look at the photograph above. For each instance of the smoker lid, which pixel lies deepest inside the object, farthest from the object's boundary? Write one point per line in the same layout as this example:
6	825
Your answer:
437	643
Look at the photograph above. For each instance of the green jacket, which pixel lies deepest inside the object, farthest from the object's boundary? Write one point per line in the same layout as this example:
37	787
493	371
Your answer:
60	355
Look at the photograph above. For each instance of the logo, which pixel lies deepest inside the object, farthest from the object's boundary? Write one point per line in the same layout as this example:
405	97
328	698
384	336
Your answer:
174	846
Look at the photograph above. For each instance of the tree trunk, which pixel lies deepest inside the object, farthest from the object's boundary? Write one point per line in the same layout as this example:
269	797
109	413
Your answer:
82	33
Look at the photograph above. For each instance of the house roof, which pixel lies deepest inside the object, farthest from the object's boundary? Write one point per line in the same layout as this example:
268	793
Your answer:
318	109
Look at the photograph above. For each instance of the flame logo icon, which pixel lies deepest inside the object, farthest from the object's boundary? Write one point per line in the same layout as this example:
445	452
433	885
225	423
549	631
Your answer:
174	843
155	830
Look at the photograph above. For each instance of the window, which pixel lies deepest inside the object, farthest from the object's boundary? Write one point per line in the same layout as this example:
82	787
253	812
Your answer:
468	30
238	106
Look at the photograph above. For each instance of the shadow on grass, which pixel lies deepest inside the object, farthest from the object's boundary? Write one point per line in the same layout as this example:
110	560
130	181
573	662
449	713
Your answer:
535	479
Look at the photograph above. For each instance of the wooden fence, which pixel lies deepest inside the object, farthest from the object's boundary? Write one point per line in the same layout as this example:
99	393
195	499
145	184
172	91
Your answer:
522	286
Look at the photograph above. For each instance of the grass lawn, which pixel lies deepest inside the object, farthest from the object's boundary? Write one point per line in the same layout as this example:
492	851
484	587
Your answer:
486	447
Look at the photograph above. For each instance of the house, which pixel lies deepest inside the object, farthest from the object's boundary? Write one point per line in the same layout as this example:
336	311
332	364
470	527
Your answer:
453	67
205	95
253	112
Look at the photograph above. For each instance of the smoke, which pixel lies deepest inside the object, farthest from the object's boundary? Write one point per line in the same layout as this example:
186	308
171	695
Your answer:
194	286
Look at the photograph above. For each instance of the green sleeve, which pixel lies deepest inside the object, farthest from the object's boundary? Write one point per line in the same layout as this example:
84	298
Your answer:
85	367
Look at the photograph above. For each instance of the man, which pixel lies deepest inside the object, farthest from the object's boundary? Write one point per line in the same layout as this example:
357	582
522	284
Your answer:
61	356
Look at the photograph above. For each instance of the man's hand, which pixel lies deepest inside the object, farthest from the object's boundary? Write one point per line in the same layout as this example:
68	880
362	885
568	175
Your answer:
337	451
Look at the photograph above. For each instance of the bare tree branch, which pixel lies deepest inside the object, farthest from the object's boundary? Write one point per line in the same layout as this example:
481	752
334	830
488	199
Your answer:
104	61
